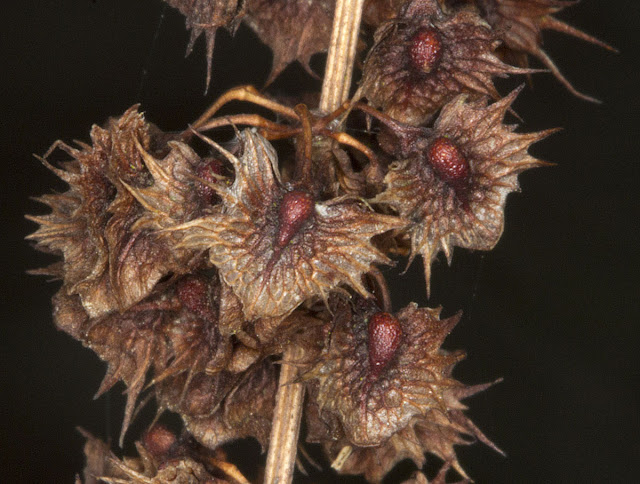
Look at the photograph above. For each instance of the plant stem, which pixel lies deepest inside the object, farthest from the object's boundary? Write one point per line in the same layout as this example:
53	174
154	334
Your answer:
283	442
342	52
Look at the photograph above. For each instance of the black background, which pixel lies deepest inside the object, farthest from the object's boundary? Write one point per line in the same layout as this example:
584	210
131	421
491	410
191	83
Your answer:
553	309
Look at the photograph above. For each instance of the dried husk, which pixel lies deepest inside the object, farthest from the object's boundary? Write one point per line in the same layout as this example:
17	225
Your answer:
410	408
294	30
174	334
108	260
332	247
520	24
470	213
463	62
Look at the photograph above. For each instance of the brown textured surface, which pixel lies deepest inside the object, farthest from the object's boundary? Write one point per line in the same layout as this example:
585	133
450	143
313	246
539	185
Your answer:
466	63
293	29
470	215
409	407
333	247
109	261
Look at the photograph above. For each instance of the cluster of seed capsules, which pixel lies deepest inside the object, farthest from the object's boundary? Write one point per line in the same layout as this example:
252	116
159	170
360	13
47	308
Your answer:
189	267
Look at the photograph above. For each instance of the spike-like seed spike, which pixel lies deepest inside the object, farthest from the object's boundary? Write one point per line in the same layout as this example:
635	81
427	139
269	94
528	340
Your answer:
380	370
176	333
110	261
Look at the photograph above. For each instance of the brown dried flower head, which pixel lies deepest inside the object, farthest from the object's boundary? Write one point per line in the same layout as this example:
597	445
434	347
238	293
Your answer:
276	244
378	371
388	383
177	331
520	23
192	277
108	261
452	182
424	58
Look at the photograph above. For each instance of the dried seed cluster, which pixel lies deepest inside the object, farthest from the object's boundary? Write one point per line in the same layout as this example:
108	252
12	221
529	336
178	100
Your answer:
190	270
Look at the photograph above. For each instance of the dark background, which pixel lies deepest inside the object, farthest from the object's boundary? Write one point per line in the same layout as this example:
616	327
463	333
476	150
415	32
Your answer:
553	309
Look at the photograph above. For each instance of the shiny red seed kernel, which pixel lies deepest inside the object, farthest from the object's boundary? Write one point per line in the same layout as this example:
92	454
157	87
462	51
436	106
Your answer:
425	49
385	334
295	209
447	161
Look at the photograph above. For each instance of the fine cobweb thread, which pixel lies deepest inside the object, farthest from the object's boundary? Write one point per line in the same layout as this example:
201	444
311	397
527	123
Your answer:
154	42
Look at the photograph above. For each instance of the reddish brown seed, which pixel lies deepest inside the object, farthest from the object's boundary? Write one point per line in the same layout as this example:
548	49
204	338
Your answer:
425	49
295	209
208	172
159	440
447	161
193	293
385	334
